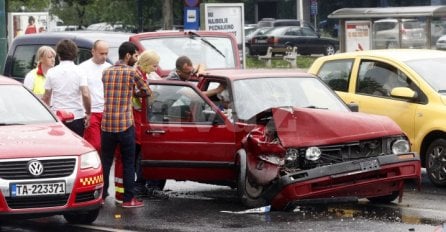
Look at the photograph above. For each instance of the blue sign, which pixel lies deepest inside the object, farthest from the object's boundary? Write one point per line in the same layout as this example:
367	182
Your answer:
313	7
191	18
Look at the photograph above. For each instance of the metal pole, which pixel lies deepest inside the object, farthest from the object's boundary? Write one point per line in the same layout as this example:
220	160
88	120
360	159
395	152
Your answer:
300	10
3	38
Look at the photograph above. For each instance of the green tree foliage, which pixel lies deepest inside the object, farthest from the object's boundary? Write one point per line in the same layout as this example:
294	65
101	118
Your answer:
29	5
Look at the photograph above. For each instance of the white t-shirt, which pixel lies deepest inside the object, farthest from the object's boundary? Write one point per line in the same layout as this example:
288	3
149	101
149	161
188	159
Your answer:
93	72
65	81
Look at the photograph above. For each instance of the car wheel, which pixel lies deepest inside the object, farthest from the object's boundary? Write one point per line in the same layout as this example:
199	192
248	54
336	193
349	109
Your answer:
391	44
384	199
330	50
82	217
436	162
249	194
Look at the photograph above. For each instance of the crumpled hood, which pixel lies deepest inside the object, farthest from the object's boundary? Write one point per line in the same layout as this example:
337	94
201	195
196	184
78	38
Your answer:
52	139
297	127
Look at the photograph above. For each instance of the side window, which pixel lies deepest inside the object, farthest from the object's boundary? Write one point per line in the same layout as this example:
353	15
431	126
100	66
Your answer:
83	55
24	60
308	32
378	79
178	104
336	74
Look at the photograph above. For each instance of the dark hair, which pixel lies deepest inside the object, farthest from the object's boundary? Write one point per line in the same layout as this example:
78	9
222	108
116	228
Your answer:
31	19
181	61
66	49
127	47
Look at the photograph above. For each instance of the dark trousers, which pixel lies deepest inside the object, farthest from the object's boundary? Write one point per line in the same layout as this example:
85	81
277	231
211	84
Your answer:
77	126
109	142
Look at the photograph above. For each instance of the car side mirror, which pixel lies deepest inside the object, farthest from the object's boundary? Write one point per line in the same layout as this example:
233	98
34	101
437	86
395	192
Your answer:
403	92
354	107
64	116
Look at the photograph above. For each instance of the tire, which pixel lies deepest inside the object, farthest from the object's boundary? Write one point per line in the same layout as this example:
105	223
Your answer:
249	195
385	199
436	162
82	217
330	50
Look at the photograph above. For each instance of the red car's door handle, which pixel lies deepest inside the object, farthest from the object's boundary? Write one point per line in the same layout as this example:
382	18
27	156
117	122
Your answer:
155	131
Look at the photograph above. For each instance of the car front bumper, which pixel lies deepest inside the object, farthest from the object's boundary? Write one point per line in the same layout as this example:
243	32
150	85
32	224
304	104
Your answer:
347	180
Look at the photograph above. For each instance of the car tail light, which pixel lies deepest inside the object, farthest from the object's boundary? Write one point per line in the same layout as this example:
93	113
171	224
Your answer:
273	40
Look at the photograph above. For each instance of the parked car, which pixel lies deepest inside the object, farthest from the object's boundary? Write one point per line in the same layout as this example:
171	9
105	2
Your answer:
407	85
279	136
306	40
248	37
386	34
441	43
45	168
213	49
21	57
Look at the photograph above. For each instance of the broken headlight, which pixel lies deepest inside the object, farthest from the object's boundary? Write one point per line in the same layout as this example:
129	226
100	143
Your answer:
400	146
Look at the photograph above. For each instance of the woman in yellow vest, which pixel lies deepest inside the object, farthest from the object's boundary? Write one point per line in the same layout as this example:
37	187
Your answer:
35	79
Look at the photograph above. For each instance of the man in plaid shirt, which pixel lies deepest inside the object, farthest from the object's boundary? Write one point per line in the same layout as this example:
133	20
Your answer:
117	123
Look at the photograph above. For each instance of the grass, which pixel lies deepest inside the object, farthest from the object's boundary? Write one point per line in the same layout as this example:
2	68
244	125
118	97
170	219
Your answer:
303	62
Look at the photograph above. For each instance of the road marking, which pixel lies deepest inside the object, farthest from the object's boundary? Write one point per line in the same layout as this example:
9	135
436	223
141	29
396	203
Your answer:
102	228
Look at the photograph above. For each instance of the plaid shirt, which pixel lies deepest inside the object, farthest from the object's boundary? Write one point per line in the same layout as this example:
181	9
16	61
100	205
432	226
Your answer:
119	85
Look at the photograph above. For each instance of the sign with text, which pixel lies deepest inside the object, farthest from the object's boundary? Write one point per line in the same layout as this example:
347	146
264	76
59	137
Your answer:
357	35
227	17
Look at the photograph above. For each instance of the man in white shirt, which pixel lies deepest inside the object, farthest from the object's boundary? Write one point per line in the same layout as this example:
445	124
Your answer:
93	68
67	89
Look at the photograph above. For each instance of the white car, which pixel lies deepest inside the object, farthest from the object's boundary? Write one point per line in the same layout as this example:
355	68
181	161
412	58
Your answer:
441	43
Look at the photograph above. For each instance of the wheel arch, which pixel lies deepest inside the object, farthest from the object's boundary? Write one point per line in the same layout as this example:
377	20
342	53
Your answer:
428	139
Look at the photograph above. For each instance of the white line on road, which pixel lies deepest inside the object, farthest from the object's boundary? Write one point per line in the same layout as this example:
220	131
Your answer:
102	228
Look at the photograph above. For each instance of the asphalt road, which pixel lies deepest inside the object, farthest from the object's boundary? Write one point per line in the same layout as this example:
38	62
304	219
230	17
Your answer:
200	207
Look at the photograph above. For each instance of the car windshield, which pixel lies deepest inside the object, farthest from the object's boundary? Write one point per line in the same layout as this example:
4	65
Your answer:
252	96
198	49
19	106
432	71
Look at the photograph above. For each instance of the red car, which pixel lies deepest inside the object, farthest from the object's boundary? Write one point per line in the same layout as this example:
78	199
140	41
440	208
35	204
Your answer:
280	137
45	168
213	49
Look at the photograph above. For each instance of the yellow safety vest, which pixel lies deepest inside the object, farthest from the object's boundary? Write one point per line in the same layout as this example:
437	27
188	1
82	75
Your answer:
39	83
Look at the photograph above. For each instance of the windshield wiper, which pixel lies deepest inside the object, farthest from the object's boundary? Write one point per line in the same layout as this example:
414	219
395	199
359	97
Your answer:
442	91
315	107
10	124
191	33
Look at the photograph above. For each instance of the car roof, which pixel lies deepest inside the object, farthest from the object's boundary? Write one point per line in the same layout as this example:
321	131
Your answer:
395	54
82	38
239	74
8	81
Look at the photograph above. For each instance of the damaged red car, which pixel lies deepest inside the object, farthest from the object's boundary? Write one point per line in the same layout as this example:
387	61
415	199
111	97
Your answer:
280	137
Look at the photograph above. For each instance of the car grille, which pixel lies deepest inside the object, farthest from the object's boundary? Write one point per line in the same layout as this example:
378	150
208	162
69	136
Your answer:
36	201
52	168
339	153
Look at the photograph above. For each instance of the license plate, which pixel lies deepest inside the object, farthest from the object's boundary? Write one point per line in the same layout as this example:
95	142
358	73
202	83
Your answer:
369	165
37	189
261	41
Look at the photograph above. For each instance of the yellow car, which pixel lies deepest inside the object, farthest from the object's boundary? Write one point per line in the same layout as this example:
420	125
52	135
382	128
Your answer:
407	85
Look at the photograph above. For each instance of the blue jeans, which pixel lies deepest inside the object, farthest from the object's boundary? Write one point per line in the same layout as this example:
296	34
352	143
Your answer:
109	142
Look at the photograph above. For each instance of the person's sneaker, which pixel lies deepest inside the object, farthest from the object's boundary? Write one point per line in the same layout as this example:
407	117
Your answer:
132	203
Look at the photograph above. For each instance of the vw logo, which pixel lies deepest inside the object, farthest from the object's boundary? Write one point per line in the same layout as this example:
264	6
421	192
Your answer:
35	167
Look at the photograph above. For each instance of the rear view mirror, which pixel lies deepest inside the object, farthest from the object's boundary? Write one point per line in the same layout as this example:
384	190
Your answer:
403	92
353	107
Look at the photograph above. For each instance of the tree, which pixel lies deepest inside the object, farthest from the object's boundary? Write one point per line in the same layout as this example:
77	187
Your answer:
29	5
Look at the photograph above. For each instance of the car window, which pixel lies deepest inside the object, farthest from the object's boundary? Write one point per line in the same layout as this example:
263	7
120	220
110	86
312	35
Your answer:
213	52
178	104
378	79
336	74
307	32
19	106
25	59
